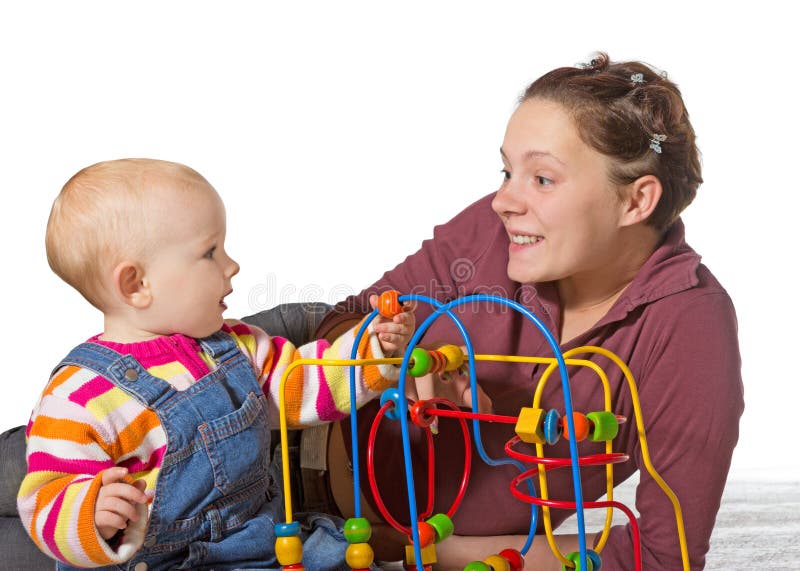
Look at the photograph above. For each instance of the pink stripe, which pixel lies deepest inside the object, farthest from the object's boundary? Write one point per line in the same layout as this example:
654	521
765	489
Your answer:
44	462
326	407
238	329
135	465
49	530
89	390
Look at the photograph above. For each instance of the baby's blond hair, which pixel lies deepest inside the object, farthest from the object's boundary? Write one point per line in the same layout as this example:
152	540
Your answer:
100	217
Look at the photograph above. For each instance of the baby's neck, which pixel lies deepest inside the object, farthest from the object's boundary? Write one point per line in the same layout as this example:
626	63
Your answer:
119	330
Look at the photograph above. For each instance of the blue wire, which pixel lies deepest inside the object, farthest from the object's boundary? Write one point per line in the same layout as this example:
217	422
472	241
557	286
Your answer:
402	404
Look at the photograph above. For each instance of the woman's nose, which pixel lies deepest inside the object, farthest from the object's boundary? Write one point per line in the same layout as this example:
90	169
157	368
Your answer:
507	200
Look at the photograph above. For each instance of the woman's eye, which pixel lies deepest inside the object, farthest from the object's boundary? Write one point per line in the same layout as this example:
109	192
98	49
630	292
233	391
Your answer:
506	174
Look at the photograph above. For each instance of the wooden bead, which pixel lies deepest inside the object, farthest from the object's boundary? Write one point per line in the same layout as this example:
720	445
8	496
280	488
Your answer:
552	427
289	550
454	356
391	395
427	535
287	529
476	566
498	563
581	426
389	304
592	559
443	526
419	416
515	559
359	555
604	425
295	567
428	555
422	362
357	530
438	361
529	425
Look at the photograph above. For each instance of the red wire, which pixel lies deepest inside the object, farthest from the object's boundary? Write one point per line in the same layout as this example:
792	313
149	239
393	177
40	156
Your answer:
371	472
462	489
457	413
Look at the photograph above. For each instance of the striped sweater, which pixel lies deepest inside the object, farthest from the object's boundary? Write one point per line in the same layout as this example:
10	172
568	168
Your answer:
83	424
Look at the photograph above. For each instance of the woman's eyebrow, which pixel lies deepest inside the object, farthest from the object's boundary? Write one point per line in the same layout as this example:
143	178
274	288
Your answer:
535	154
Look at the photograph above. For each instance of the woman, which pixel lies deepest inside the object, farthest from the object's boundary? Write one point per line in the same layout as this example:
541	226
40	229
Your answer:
598	163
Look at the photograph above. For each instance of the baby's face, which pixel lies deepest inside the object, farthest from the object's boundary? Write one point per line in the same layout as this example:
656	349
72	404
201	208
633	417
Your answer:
189	272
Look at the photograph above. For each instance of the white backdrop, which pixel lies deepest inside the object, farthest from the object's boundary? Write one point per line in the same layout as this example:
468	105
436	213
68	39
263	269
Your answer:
339	133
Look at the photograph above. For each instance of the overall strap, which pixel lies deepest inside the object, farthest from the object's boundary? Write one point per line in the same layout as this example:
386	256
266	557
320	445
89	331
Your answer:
122	370
221	346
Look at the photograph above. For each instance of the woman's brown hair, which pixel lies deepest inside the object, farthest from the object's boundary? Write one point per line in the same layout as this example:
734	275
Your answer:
622	109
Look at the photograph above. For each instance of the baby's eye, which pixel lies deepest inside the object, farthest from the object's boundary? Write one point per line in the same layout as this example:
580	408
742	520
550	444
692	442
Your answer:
544	181
210	253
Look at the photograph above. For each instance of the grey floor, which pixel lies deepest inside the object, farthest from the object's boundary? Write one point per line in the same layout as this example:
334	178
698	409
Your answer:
758	525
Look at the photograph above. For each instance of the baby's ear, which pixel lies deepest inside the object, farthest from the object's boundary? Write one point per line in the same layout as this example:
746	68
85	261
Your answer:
130	286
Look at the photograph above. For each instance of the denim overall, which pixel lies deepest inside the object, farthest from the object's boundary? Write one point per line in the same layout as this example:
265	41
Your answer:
216	498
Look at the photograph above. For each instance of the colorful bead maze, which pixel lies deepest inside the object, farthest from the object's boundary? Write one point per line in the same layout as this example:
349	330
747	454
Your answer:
534	425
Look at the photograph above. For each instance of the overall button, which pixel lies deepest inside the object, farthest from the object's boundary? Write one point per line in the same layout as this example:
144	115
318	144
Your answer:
140	566
132	375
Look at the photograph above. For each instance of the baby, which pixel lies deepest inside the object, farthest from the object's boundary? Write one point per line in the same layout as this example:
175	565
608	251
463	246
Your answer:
150	445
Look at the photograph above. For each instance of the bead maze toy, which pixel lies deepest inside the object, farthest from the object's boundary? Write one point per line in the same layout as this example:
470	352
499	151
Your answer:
533	425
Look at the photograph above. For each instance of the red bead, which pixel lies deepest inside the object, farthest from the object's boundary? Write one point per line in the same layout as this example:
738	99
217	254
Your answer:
419	416
515	559
388	304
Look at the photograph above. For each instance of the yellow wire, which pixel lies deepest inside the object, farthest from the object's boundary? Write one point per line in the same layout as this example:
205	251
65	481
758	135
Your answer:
287	488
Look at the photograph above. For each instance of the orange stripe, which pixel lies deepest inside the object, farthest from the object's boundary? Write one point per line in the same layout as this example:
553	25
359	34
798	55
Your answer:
46	494
86	528
63	429
293	394
132	435
61	378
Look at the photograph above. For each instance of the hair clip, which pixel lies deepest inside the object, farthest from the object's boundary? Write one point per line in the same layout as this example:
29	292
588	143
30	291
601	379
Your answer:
655	142
637	78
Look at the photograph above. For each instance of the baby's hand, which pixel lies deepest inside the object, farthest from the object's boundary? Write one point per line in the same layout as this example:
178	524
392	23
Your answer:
395	333
116	502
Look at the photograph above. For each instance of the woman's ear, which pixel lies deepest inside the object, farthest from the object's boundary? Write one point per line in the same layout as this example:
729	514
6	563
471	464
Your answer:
130	285
640	200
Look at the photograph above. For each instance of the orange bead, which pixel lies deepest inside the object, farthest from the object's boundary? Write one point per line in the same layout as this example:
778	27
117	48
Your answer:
427	535
581	426
389	304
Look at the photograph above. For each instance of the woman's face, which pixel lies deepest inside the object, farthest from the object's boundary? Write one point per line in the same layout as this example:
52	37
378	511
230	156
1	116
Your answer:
561	212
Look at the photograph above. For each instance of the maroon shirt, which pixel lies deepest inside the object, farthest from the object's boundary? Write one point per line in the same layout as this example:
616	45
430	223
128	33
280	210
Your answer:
674	326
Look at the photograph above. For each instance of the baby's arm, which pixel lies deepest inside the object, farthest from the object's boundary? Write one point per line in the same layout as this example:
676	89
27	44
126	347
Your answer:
314	393
73	444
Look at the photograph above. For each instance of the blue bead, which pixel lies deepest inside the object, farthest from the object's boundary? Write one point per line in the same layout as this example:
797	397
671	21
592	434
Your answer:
287	529
552	426
393	395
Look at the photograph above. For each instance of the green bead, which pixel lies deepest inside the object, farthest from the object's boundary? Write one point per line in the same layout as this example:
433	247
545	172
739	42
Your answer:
357	530
575	557
422	362
443	526
477	566
605	427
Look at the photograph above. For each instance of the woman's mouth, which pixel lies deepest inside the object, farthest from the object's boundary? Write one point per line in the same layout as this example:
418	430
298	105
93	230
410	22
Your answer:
525	239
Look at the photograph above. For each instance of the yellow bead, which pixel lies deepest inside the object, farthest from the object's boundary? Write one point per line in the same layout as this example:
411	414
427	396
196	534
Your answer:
428	555
498	563
529	425
455	358
359	555
289	550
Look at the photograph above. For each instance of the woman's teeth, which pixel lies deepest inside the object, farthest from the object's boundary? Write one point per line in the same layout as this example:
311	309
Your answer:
518	239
